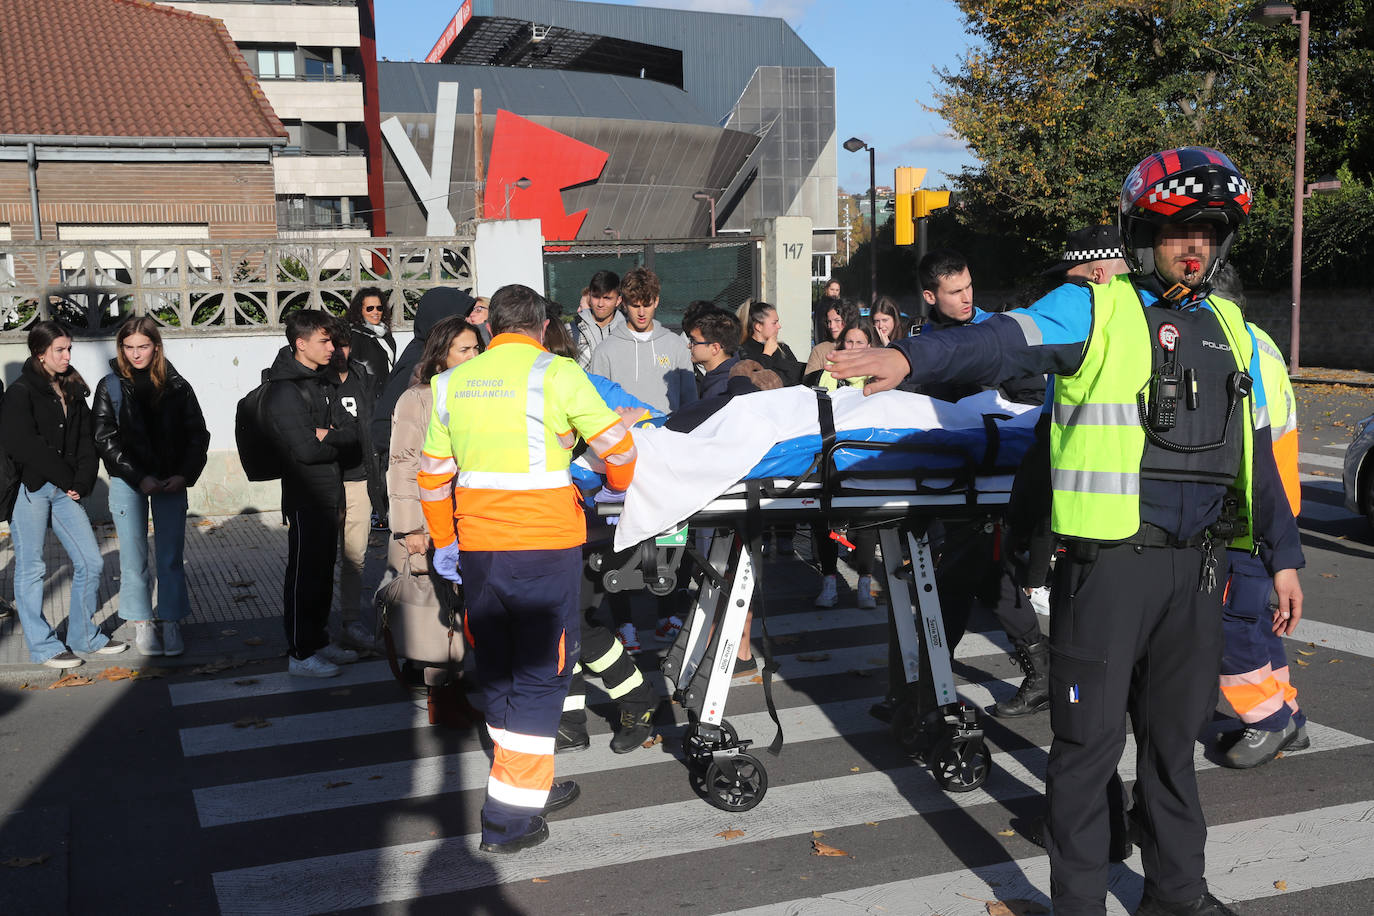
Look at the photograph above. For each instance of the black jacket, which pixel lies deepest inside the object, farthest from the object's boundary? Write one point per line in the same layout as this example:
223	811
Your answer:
716	381
434	306
47	444
368	349
132	449
302	400
355	397
788	368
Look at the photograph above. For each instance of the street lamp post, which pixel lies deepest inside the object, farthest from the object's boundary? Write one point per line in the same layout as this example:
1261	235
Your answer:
854	144
522	183
702	195
1277	13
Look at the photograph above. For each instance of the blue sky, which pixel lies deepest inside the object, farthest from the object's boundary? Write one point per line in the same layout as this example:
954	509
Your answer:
884	53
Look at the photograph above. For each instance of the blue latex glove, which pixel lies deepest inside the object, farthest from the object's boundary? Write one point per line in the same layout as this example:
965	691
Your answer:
446	563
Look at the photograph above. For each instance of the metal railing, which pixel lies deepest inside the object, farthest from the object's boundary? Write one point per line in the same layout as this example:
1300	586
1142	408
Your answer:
92	286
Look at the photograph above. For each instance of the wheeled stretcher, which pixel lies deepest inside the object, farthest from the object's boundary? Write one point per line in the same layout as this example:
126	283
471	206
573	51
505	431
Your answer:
900	485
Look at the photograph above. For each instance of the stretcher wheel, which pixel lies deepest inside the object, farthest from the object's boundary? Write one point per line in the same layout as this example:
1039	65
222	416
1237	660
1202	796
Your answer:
960	764
908	729
729	794
699	750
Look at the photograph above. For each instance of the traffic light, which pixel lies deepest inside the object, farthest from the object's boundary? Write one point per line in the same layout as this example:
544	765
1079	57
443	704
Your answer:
906	180
926	202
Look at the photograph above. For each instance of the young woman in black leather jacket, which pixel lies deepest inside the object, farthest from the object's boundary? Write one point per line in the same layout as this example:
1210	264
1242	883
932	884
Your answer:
150	432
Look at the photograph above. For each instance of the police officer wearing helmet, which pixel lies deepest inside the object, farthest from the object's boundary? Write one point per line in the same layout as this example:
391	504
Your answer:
1155	470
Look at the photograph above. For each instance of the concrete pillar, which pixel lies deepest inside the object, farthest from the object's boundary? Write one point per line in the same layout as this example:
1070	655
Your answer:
786	269
508	251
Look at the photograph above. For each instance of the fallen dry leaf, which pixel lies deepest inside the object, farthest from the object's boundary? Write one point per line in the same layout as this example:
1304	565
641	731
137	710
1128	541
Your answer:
70	680
813	657
1305	652
539	880
756	679
338	784
144	674
871	823
1334	661
1006	833
1281	885
229	632
656	739
858	673
730	834
245	681
853	769
820	849
817	834
1302	662
1015	908
115	673
412	852
378	776
251	722
25	861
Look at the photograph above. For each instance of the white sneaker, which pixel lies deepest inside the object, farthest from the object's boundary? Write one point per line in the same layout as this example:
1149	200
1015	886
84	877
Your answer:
865	589
113	647
147	639
314	666
829	595
358	635
1040	600
172	642
338	654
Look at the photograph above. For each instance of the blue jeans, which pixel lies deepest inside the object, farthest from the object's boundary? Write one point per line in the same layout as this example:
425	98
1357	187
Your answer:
28	530
130	510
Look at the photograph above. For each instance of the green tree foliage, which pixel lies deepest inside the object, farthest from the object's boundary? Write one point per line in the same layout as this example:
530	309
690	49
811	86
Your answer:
1063	97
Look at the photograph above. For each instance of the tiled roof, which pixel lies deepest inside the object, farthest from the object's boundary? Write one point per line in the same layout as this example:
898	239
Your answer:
124	68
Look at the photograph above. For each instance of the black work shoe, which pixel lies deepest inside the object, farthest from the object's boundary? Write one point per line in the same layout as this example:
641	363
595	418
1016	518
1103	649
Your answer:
571	739
1034	693
539	832
633	732
1256	747
1206	905
561	794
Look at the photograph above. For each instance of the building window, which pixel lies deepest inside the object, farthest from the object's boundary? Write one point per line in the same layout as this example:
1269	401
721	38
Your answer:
274	63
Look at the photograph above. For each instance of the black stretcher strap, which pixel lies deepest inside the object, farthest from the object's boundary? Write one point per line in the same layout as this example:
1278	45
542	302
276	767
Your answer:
825	416
753	542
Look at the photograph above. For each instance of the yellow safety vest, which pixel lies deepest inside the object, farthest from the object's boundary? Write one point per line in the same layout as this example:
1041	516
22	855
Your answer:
1096	441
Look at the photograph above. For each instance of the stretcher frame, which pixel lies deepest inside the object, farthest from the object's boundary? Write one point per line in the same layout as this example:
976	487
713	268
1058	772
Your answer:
928	718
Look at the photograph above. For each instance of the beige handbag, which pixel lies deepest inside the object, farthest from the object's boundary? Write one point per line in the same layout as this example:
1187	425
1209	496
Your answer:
417	624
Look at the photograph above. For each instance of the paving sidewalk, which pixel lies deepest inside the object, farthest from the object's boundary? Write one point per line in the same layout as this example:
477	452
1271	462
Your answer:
234	570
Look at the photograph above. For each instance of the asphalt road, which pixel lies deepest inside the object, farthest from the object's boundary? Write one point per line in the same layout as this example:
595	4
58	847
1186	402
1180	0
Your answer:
247	793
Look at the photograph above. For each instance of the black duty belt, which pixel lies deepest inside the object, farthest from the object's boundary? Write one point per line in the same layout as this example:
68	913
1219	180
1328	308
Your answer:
1155	536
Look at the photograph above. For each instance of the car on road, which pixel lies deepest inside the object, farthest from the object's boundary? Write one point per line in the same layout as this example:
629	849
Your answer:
1359	470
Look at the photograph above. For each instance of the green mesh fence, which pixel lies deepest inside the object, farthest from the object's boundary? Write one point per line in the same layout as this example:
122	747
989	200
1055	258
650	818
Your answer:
723	272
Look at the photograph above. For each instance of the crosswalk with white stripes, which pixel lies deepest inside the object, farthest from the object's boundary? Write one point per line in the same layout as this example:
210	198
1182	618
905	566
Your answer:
321	796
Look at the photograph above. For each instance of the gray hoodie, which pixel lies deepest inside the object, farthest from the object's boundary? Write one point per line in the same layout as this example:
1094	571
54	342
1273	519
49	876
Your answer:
589	334
657	370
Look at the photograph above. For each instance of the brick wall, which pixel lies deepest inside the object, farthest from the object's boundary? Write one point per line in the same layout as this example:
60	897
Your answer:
236	199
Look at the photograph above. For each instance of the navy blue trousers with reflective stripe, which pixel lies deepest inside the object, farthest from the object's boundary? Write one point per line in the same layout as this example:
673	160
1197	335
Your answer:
522	612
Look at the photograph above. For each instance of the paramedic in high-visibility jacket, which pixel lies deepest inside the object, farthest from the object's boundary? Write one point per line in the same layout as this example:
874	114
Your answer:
1155	470
494	481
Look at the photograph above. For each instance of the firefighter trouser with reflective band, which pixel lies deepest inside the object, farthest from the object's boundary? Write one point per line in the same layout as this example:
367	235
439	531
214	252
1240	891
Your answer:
1129	633
525	635
604	657
1254	666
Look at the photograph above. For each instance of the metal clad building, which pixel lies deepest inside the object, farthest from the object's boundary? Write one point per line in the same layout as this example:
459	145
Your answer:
680	102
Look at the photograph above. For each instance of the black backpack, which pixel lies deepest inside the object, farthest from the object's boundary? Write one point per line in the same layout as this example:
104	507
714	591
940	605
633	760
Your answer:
255	437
